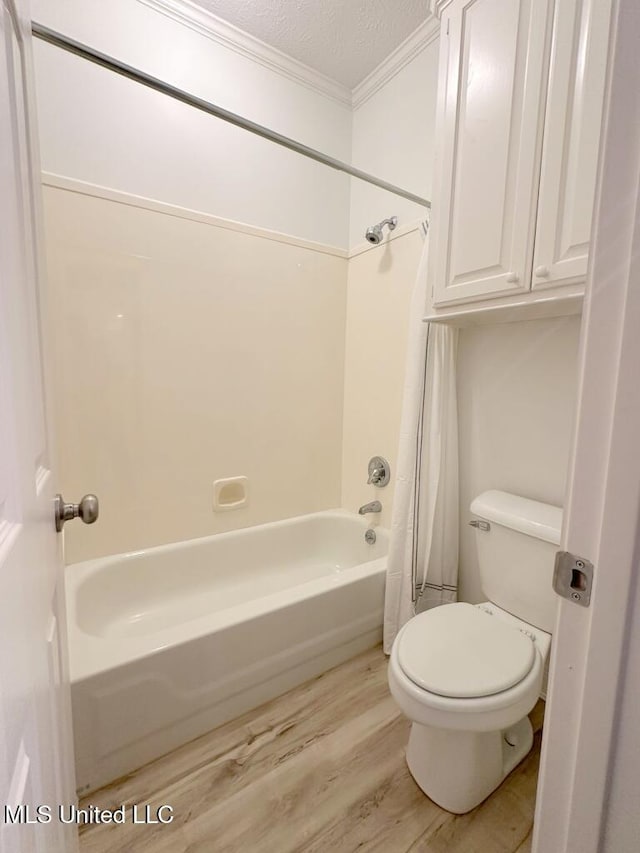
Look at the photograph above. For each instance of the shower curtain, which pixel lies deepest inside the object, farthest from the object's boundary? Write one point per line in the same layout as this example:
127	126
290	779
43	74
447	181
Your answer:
423	553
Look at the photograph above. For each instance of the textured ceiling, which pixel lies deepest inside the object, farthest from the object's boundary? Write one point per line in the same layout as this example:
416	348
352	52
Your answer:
344	39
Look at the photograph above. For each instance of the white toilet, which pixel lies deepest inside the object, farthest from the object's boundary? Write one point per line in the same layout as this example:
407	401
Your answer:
467	675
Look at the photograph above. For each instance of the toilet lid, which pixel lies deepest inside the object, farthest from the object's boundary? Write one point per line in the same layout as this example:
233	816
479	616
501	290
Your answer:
460	651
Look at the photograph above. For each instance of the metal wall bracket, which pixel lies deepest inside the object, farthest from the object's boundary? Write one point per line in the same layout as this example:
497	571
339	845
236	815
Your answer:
573	578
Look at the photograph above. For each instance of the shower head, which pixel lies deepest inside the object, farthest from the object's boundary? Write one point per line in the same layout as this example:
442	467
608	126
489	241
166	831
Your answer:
373	233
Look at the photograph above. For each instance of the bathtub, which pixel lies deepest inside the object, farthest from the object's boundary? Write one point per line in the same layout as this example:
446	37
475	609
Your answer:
169	642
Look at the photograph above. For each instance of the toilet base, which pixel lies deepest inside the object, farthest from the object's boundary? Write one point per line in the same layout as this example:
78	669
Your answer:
458	769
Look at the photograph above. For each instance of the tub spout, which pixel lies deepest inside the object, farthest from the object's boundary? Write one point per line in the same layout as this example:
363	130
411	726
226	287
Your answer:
374	506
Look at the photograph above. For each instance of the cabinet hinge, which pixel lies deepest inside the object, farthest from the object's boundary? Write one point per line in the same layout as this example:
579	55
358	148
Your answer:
573	578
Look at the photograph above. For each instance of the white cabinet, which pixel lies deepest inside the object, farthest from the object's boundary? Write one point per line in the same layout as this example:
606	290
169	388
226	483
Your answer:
519	111
572	127
490	93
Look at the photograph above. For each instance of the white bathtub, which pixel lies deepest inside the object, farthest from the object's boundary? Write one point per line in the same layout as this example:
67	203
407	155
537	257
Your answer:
167	643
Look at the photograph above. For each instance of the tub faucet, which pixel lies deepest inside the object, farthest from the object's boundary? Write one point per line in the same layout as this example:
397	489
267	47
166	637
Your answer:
374	506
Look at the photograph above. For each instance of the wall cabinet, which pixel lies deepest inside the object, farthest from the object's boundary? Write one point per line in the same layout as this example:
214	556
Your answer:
520	97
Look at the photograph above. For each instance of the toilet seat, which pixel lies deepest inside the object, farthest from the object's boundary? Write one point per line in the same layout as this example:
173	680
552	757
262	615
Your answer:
462	652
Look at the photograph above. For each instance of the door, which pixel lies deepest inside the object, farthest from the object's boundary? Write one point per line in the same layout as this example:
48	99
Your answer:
589	783
571	141
492	73
35	743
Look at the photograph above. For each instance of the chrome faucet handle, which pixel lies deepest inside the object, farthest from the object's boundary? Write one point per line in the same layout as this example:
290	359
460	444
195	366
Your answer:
379	471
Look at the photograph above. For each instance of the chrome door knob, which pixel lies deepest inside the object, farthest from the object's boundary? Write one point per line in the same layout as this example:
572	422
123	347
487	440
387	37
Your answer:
88	510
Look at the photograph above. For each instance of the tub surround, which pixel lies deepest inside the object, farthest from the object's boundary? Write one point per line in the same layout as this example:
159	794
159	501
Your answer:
201	335
167	643
144	284
380	283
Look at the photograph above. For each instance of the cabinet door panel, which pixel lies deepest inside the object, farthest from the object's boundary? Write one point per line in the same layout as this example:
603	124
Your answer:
571	141
492	76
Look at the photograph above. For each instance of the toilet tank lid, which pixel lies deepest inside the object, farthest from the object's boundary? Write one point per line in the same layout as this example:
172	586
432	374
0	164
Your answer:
543	521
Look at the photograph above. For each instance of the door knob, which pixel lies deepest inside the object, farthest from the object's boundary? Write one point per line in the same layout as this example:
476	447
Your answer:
88	510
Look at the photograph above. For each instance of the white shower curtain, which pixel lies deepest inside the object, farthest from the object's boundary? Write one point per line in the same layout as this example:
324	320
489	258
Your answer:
423	553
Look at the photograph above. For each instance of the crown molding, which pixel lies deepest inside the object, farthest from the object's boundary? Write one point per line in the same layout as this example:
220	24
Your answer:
438	7
209	25
419	39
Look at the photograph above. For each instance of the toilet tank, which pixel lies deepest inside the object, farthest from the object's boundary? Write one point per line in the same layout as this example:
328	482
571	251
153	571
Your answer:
516	555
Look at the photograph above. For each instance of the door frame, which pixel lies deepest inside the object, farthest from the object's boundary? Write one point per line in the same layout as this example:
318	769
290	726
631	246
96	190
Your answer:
602	517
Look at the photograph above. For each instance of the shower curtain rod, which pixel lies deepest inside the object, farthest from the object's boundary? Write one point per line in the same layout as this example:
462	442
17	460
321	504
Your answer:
108	62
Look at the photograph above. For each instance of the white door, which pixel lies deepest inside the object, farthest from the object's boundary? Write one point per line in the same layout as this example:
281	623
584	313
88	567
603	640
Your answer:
589	786
571	141
492	58
35	743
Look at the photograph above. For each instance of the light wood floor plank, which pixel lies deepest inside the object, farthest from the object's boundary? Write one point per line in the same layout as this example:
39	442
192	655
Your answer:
256	742
319	770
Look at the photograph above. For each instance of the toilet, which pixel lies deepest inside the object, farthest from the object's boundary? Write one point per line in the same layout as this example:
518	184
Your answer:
468	675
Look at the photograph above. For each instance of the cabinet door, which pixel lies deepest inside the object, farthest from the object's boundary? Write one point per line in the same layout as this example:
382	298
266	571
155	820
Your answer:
492	64
571	141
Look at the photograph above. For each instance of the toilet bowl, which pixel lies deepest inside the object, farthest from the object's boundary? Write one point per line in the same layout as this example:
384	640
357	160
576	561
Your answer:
468	675
462	746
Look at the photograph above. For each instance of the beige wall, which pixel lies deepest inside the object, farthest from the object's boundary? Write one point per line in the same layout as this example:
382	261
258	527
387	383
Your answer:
517	386
379	291
184	353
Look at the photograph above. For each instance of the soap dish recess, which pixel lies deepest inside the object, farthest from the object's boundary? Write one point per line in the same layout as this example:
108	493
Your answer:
230	493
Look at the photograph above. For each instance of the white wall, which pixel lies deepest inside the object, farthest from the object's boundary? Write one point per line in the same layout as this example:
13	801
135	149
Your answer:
104	129
517	386
393	138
